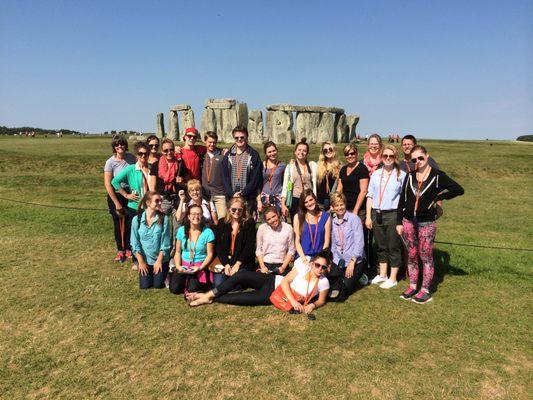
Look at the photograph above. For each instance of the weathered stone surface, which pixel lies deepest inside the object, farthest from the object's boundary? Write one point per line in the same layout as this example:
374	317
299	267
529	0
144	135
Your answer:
180	107
208	121
306	126
341	129
220	104
242	113
173	126
218	124
229	121
279	127
351	122
160	125
187	121
293	108
326	128
255	126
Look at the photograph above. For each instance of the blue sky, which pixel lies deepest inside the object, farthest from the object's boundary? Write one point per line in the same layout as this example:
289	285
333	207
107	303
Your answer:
451	69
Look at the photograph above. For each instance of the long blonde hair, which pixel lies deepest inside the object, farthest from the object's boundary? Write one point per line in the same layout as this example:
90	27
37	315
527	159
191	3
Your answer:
244	215
325	167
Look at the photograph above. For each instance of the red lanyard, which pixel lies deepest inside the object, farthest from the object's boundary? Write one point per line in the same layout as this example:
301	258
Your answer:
382	191
340	233
192	250
210	162
418	190
271	175
312	236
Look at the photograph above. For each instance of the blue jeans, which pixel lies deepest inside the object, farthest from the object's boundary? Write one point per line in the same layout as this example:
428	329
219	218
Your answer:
218	279
157	281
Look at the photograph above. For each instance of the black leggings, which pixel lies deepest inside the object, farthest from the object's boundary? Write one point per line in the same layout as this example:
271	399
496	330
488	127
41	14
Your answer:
345	286
180	282
121	246
263	285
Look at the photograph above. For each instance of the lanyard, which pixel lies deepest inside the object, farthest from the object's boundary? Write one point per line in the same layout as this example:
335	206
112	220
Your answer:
233	240
271	174
313	236
192	250
340	233
382	191
239	160
300	174
418	190
209	167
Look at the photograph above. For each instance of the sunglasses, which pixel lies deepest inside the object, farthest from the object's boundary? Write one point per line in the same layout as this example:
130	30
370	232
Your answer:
236	210
328	150
120	145
142	153
419	158
158	201
166	151
154	146
239	137
323	267
191	137
350	154
387	156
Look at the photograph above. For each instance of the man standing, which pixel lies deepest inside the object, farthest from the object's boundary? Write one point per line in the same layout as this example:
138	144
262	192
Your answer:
192	155
408	142
212	174
242	173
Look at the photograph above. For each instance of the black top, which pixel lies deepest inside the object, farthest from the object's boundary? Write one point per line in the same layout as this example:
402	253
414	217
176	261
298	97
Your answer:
322	192
437	186
351	183
244	244
407	166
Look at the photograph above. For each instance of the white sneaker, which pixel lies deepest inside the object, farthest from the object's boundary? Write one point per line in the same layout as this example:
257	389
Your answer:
388	284
378	279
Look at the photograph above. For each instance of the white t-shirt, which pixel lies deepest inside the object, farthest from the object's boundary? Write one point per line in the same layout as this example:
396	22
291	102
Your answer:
206	209
300	281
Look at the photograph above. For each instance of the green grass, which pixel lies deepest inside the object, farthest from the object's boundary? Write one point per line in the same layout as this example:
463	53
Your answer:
75	325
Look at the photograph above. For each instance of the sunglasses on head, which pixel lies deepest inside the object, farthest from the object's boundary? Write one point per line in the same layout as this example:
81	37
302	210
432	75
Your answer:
387	156
142	153
327	150
323	267
419	158
235	210
350	154
166	151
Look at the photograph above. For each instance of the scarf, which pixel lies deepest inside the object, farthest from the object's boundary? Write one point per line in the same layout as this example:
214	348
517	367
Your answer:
370	164
167	172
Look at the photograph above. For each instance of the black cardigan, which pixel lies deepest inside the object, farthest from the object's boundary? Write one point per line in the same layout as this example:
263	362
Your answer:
244	244
438	186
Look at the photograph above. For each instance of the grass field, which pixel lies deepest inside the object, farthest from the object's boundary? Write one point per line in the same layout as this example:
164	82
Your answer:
75	325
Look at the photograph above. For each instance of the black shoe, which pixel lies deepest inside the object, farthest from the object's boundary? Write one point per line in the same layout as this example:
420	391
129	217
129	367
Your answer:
422	297
409	293
294	312
311	317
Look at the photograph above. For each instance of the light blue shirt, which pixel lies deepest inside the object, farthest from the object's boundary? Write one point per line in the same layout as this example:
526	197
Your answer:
347	239
391	192
150	240
198	250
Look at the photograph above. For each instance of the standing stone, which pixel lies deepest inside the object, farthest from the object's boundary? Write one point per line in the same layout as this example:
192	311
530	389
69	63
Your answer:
208	122
307	126
351	122
160	125
255	126
279	127
229	122
187	120
326	128
218	124
173	126
341	129
242	114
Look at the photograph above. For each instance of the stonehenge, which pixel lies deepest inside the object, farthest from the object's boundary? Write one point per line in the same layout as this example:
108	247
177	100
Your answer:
160	124
316	123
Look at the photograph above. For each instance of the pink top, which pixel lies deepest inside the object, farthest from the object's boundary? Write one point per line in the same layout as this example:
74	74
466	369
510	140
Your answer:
273	245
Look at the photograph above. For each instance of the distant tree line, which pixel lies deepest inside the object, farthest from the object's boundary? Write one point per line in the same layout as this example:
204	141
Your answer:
525	138
4	130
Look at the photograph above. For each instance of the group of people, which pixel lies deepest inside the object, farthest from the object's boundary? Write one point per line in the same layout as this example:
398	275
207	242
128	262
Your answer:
209	223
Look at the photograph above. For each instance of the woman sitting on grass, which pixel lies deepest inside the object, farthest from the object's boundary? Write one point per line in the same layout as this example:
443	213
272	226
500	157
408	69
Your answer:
348	249
275	243
306	281
195	249
150	242
416	219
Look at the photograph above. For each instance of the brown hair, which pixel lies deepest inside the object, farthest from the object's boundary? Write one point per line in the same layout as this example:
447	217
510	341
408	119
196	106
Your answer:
210	134
239	128
268	144
119	139
142	206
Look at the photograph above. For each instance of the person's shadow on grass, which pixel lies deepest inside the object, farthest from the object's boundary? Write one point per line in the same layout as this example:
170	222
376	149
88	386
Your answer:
443	267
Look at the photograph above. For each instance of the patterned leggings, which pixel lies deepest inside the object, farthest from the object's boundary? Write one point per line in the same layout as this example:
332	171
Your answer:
419	240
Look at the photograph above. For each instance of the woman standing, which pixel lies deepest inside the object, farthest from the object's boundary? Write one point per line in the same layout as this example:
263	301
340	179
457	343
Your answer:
194	252
372	157
300	175
327	173
153	145
150	242
381	213
275	243
235	241
117	203
312	228
273	172
417	215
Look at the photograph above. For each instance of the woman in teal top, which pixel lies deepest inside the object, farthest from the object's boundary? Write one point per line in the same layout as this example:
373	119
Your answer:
195	248
150	242
136	177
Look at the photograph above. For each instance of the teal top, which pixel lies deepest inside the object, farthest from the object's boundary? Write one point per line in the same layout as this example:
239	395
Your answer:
133	177
197	250
150	240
